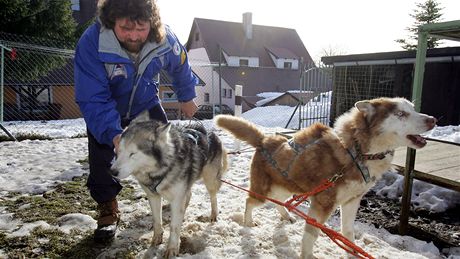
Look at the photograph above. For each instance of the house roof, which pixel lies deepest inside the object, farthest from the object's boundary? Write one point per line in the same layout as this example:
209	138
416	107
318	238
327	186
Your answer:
231	37
282	53
395	57
166	80
256	80
214	35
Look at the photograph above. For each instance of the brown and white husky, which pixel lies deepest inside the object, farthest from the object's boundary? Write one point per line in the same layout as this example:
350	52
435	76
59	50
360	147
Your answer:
357	151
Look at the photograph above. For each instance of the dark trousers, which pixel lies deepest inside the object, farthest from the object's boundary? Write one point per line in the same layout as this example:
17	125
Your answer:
102	186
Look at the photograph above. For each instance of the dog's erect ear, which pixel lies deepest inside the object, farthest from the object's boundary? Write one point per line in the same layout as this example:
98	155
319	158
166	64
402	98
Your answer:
365	107
163	130
143	116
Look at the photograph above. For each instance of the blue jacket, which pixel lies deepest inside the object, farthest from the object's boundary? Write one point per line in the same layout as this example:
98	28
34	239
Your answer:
105	77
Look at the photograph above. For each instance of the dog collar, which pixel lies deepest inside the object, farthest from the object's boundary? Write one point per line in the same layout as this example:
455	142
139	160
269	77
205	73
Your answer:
376	156
359	158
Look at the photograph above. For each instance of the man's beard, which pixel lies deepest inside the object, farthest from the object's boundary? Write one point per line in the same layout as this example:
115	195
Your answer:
132	46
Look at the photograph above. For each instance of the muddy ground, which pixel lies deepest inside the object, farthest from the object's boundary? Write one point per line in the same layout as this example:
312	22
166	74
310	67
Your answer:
443	229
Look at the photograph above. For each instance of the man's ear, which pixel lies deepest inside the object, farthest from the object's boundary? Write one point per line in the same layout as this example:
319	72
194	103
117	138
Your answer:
143	116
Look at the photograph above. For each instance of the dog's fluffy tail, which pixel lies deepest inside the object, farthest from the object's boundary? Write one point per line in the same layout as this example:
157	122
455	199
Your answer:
241	129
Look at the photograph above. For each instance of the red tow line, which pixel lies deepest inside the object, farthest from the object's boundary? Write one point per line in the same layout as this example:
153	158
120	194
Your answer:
336	237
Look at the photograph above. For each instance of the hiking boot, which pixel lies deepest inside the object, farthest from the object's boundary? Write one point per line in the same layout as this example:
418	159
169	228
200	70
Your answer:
107	221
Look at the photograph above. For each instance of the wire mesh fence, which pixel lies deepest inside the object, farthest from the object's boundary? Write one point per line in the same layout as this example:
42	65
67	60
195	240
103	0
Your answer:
355	83
38	79
38	85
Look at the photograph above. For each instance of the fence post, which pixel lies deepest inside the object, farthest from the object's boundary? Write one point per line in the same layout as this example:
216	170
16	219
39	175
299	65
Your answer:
238	109
2	65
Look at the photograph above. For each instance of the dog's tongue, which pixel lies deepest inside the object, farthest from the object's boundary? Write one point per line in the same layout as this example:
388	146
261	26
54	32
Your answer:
417	140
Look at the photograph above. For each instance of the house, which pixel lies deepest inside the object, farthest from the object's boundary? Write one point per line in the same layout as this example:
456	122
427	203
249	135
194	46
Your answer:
289	98
371	75
260	58
83	10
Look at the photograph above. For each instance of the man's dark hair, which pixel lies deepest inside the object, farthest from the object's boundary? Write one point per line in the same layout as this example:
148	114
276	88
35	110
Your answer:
136	10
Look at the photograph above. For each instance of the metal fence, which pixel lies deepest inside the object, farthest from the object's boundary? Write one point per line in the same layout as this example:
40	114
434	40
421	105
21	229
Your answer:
355	83
37	79
306	99
38	85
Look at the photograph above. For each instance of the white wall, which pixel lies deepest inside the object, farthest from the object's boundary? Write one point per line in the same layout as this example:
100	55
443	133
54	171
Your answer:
234	61
201	65
279	62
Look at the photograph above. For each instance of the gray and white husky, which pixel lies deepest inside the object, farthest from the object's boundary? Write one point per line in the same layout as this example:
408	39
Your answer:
166	160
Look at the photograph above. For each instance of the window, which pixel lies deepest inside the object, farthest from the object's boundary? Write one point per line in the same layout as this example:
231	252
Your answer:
244	62
229	93
75	5
197	36
224	92
288	65
206	97
168	96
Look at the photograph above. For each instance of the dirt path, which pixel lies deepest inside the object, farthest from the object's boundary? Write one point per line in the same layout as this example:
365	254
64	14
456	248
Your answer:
443	229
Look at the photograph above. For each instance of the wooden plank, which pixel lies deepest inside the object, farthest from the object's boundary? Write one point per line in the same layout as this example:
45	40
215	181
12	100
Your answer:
437	163
434	158
433	179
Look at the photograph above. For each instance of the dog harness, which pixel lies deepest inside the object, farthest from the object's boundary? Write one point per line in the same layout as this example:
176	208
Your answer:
155	181
298	149
357	156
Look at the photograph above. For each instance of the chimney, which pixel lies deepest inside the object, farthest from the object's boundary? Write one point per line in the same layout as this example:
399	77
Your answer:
247	25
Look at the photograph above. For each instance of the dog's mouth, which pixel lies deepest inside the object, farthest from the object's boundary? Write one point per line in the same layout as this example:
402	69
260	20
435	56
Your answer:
417	140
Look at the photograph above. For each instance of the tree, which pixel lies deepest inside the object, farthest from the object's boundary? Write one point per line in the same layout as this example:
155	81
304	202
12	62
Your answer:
50	19
427	12
38	29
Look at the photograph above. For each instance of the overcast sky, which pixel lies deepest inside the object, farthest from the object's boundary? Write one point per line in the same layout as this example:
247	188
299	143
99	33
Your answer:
351	27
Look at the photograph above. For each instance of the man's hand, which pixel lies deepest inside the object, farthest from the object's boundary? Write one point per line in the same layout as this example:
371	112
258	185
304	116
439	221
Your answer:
116	143
188	108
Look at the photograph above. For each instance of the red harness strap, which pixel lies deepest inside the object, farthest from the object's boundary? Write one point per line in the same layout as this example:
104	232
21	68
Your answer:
336	237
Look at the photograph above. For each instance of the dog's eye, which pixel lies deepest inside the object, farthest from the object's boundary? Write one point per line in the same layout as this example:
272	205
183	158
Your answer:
131	154
400	114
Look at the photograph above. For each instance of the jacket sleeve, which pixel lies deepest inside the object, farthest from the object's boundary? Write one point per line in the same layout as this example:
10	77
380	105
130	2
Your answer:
92	93
177	66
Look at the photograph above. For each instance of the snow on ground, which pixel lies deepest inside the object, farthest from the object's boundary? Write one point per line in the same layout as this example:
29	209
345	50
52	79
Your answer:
35	166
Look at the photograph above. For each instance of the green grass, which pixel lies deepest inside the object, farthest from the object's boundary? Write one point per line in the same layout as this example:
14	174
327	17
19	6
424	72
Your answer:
69	197
34	136
25	136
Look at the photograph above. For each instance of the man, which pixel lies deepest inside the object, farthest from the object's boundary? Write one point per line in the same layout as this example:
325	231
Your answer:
117	61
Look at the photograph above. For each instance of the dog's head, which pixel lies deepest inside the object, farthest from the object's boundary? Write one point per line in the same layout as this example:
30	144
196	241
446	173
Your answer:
143	147
396	120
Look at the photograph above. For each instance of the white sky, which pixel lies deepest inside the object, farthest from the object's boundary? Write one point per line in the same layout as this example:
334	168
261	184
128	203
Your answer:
352	27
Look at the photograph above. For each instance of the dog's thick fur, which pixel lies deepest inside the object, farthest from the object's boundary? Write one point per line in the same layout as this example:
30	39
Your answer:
376	125
166	160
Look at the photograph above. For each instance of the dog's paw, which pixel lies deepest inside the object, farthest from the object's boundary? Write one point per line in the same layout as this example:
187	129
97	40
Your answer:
291	220
157	239
171	252
250	224
213	218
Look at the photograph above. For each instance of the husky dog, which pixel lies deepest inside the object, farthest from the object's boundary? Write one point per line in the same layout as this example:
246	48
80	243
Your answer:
166	160
354	154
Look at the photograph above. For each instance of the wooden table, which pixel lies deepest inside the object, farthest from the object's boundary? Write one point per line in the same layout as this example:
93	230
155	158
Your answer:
437	163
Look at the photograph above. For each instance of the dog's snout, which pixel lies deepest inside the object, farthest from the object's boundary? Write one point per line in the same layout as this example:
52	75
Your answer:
431	122
113	172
